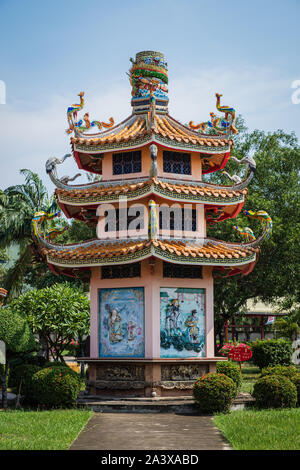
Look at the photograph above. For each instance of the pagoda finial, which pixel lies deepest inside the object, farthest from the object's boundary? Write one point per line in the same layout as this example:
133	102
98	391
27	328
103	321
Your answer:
152	223
148	77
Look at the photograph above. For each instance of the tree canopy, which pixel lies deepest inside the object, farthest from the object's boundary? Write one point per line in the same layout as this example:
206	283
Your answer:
58	314
275	189
18	205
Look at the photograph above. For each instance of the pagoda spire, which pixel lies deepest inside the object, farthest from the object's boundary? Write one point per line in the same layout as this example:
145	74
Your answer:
148	77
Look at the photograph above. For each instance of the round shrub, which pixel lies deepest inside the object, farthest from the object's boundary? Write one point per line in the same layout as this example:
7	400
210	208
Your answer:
25	373
287	371
65	368
214	393
55	387
274	391
232	370
271	352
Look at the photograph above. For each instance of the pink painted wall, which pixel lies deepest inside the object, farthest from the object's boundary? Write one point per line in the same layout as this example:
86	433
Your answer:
152	284
107	167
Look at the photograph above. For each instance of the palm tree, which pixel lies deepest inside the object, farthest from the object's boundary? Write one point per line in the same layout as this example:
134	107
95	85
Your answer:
18	205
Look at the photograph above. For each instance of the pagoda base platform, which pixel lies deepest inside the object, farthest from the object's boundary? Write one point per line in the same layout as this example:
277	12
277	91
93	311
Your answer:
178	405
137	378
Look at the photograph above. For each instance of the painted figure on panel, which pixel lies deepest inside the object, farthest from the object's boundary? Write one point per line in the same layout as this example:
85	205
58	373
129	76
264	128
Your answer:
193	329
115	325
172	318
131	330
121	322
182	322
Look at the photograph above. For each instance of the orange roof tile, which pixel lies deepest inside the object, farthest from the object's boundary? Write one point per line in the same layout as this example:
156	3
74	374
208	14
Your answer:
99	252
179	188
136	127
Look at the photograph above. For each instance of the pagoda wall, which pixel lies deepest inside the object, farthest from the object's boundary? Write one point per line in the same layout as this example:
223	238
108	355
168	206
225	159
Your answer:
152	284
149	374
196	168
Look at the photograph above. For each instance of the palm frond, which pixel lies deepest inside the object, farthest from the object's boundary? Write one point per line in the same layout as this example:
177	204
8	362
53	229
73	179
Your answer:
13	280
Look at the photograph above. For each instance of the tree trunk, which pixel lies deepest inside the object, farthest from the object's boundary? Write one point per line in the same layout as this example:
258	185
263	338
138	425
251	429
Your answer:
45	346
4	386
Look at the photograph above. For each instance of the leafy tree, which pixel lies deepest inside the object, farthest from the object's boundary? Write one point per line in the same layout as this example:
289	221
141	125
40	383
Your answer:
58	314
18	339
275	189
18	205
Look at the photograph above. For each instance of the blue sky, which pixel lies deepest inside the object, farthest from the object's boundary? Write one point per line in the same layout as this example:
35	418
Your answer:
248	51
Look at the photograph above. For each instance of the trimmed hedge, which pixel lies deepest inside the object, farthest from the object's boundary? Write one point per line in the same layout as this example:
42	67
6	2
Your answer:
232	370
274	391
287	371
271	352
214	393
55	387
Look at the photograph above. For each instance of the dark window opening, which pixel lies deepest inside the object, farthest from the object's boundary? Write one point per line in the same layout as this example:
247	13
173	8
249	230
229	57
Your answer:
117	220
121	271
127	162
176	162
177	219
181	271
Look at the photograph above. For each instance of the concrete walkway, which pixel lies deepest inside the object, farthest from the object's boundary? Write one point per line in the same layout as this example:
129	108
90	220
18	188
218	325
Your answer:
149	431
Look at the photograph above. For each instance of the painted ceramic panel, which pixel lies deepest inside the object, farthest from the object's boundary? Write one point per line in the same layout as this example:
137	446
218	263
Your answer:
122	322
182	322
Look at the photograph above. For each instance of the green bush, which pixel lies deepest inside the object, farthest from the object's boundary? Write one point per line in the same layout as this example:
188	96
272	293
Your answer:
296	381
274	391
16	333
271	352
287	371
25	373
55	387
232	370
214	393
65	368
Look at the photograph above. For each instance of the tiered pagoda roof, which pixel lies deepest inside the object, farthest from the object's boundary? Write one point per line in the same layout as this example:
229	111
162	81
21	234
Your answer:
151	125
136	131
229	201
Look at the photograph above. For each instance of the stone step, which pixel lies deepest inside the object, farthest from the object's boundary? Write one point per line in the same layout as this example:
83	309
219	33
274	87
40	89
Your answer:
182	405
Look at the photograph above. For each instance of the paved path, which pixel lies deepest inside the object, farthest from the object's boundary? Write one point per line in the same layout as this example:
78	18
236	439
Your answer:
149	431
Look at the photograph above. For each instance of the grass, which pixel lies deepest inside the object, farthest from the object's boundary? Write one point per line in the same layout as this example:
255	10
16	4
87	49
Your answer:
250	374
261	430
40	430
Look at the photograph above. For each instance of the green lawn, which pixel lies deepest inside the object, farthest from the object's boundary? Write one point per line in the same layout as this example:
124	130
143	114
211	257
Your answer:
261	430
250	374
40	430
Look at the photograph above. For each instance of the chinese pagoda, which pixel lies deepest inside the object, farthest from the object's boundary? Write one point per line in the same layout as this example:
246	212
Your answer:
151	265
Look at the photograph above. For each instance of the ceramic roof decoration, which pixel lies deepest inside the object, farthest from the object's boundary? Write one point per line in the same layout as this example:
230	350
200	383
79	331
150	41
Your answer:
129	159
